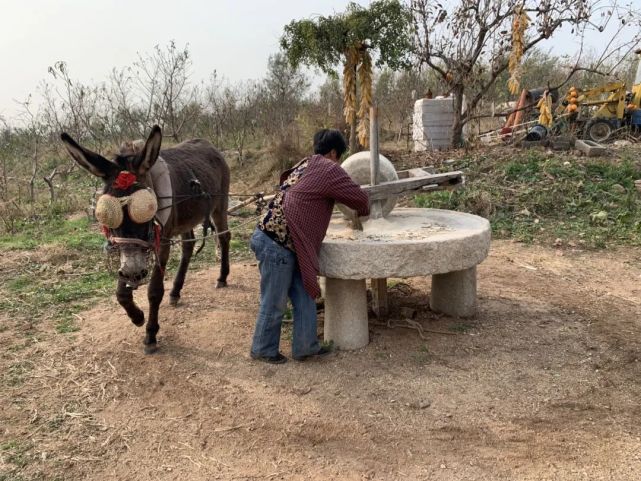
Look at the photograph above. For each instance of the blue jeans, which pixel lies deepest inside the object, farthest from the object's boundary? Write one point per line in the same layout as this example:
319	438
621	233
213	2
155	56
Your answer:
280	278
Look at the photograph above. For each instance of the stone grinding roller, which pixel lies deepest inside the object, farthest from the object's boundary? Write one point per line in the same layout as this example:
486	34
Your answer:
358	168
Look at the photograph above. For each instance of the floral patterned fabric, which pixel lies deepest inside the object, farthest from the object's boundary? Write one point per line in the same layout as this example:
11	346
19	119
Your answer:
274	223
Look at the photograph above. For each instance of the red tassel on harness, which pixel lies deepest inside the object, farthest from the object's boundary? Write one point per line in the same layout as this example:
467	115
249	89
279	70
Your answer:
105	231
124	180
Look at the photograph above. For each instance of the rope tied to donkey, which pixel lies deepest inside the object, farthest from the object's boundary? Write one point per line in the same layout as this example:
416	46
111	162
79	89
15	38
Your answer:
166	241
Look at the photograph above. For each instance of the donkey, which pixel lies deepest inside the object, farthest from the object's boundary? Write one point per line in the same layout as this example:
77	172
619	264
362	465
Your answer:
138	221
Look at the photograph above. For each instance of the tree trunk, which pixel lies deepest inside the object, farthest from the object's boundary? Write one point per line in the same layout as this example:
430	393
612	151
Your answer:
34	172
49	180
457	126
353	142
52	192
4	195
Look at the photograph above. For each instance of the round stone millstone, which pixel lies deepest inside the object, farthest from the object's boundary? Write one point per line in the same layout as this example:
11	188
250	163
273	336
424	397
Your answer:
408	243
358	168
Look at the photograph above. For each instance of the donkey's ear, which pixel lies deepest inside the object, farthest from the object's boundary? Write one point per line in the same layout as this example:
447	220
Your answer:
149	153
96	164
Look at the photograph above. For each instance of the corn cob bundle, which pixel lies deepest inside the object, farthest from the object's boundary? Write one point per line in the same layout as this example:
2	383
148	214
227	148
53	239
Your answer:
349	82
365	81
545	110
519	26
514	82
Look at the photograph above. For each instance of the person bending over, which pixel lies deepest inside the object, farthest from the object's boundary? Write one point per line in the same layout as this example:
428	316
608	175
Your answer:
287	241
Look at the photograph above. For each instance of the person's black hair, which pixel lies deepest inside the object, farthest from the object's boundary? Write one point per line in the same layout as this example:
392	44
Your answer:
327	140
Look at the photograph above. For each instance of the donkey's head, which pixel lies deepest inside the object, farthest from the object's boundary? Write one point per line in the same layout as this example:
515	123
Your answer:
127	207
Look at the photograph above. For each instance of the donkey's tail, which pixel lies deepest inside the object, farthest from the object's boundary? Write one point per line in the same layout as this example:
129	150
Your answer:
207	226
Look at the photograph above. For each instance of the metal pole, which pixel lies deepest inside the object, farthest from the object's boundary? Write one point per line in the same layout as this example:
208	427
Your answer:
376	210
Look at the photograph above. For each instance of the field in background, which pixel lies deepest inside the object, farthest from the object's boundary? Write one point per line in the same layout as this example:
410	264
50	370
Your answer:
556	398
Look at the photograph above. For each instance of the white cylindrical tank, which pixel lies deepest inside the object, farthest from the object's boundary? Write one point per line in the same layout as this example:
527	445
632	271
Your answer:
432	124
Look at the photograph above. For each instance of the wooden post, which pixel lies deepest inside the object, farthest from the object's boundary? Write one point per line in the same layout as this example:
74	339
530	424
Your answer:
380	305
379	286
376	210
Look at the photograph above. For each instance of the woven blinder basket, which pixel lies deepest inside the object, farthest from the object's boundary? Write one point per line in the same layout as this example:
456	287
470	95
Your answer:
142	206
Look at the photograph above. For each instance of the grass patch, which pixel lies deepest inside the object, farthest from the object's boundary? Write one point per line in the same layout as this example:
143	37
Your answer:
66	326
15	453
460	327
17	373
59	295
74	234
56	422
65	282
239	246
421	356
533	197
329	345
20	283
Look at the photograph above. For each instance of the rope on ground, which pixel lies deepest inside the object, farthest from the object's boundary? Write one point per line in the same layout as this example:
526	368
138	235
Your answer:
410	324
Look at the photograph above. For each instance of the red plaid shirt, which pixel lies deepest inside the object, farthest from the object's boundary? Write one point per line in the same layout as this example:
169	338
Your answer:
308	209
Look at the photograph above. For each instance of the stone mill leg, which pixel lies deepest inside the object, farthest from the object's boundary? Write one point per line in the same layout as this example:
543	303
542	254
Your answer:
454	293
346	313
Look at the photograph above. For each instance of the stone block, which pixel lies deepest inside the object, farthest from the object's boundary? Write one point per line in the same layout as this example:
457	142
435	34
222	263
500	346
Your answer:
590	148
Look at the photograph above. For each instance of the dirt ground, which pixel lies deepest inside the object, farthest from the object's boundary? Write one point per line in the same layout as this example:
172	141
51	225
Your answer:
544	384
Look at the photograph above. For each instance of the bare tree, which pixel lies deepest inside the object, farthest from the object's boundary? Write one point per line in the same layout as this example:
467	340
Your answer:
5	147
215	110
232	109
71	106
469	42
283	92
163	79
120	98
33	134
396	93
240	103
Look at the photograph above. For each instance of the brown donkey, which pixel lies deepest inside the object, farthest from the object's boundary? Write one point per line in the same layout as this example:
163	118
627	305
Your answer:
149	197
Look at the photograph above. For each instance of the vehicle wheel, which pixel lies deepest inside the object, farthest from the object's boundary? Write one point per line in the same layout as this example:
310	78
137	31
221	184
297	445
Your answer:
598	131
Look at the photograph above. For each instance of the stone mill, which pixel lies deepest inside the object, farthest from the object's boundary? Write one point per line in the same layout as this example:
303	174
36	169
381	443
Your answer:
397	243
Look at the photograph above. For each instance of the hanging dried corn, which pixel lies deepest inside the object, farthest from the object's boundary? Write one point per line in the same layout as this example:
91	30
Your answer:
519	26
349	84
365	82
545	110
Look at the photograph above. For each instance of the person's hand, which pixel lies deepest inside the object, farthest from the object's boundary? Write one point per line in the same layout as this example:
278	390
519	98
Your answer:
356	221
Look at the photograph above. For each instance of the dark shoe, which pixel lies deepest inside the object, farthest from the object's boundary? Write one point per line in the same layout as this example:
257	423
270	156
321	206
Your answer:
277	359
322	352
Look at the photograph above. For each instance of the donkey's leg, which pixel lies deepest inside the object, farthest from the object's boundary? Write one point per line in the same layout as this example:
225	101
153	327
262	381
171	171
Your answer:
155	294
179	281
219	217
125	297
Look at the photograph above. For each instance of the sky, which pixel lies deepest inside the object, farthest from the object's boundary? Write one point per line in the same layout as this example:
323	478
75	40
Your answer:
233	37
